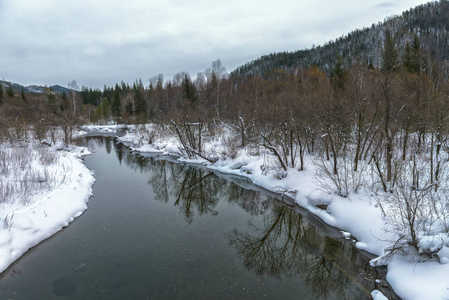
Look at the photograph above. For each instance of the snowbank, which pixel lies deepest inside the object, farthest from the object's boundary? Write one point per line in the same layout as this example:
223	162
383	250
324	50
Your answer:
415	281
24	225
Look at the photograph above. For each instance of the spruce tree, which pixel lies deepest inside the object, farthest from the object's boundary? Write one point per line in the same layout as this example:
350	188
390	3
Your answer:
338	73
129	107
51	103
65	104
1	93
417	55
389	54
10	91
116	104
22	95
105	108
140	105
188	90
412	60
407	61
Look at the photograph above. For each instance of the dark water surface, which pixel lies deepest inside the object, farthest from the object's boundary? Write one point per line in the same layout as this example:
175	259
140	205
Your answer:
158	230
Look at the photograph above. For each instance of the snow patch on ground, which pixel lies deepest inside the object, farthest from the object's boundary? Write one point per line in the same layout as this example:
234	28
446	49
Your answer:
23	226
415	281
377	295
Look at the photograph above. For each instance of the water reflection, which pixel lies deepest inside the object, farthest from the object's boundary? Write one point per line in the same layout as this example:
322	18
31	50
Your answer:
288	245
284	245
196	190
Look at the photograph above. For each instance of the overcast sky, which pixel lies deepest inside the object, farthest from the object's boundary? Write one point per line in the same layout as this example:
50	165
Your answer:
101	42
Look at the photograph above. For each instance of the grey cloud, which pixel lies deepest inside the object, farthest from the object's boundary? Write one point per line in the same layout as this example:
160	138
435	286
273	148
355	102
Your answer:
385	5
103	42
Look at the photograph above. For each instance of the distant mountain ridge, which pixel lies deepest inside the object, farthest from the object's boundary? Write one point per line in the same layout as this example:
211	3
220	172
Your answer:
34	89
429	21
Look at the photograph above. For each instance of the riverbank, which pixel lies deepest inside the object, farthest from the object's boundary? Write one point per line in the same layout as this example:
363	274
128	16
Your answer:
362	216
53	204
43	189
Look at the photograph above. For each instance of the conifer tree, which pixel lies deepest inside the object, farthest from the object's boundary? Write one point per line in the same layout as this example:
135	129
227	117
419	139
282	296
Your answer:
10	91
412	61
22	95
417	54
129	107
65	104
338	74
105	108
51	103
389	54
1	93
407	63
188	90
116	106
140	105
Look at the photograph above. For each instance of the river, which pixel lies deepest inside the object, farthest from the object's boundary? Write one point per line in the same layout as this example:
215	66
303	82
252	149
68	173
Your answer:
160	230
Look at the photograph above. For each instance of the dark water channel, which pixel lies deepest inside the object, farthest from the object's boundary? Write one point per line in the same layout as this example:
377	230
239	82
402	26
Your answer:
159	230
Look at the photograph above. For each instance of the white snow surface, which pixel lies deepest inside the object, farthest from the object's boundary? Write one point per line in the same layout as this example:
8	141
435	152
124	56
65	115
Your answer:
357	215
23	226
416	281
377	295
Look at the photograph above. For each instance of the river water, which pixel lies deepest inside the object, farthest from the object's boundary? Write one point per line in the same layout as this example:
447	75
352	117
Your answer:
159	230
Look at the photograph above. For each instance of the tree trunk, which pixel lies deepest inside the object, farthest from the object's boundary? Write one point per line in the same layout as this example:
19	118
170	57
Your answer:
359	142
387	130
405	142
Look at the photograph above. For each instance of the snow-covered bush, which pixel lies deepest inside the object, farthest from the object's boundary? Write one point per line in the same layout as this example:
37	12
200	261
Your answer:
146	133
439	201
27	170
409	212
345	181
416	208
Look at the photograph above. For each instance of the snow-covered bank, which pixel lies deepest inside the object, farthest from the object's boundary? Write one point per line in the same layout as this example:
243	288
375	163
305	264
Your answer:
359	214
59	189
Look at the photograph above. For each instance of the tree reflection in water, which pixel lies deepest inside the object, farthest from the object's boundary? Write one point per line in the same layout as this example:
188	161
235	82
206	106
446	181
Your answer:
286	245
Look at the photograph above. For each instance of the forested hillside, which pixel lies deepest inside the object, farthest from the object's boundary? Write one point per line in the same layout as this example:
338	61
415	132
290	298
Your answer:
34	89
430	22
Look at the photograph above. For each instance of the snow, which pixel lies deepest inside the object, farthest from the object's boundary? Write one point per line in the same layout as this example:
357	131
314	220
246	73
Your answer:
47	211
434	243
413	280
377	295
363	219
35	89
346	235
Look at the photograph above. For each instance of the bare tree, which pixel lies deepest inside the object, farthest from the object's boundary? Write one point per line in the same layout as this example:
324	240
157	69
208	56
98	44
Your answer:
215	76
73	85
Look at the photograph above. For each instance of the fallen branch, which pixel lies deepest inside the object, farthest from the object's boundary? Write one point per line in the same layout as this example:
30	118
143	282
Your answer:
202	155
276	153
